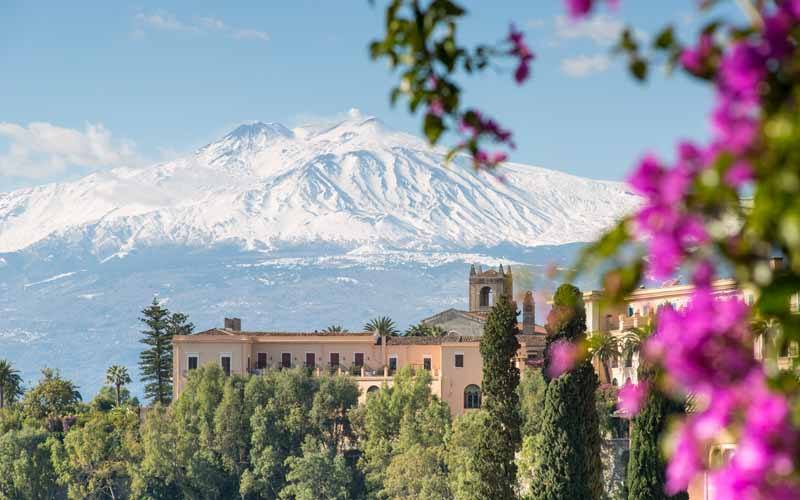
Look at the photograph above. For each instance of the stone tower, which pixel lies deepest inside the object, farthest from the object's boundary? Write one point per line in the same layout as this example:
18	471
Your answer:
486	286
528	314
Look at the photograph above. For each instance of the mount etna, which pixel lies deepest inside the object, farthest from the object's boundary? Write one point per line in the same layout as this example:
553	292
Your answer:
289	229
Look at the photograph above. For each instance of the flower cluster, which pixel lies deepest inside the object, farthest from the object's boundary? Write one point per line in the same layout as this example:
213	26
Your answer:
521	51
478	127
706	348
673	231
632	398
578	9
563	355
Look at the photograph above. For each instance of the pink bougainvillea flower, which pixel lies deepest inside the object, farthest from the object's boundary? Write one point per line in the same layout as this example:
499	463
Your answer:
740	173
685	462
646	177
694	59
741	71
520	50
665	255
578	8
632	398
735	129
563	356
436	107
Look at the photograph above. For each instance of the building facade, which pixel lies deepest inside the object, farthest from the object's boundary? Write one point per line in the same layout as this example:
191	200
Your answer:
454	359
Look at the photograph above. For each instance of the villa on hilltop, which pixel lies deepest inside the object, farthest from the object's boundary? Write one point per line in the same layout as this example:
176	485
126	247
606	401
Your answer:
453	359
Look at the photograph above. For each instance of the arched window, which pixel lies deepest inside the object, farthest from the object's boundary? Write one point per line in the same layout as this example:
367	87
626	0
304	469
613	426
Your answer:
614	383
372	388
486	297
472	396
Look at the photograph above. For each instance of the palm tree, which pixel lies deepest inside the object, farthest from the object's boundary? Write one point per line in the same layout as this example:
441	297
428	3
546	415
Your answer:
383	326
117	375
335	329
634	338
604	347
766	329
10	383
423	330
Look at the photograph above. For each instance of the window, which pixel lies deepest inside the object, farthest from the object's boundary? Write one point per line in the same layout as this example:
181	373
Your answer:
311	359
334	359
261	360
629	360
614	383
486	297
373	388
630	311
192	361
225	363
426	363
614	361
286	360
358	359
472	397
459	360
392	364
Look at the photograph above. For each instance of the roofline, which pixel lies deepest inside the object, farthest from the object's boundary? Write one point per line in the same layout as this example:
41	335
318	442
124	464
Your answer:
719	285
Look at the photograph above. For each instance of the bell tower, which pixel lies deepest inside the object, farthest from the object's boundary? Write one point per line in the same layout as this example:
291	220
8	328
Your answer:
486	286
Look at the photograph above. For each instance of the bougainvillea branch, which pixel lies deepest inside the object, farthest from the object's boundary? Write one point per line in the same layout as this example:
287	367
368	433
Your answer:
421	43
722	206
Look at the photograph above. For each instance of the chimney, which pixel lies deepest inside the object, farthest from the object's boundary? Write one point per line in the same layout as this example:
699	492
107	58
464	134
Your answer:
528	314
234	324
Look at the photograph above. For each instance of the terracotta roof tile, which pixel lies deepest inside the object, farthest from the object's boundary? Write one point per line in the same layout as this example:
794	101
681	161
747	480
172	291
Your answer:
223	331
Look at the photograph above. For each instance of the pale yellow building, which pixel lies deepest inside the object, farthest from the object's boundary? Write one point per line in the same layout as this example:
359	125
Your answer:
454	361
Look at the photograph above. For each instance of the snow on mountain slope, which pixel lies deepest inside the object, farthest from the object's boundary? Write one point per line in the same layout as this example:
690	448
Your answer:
353	184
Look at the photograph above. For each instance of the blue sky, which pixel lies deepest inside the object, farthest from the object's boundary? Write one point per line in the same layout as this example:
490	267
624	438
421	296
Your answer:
95	84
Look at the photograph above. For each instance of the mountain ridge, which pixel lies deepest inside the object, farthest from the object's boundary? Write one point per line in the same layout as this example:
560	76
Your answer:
352	183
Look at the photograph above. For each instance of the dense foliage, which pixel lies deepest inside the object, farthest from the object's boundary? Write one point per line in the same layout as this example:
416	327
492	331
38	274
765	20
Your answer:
501	439
568	447
646	478
155	362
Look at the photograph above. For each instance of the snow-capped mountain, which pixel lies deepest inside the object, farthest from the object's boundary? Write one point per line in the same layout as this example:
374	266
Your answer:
288	229
352	184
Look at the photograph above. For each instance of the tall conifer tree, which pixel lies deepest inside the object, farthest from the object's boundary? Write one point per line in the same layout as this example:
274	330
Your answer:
568	447
155	362
495	465
647	467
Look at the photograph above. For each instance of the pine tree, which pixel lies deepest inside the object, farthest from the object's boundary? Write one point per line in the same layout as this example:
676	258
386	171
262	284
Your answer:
646	467
495	455
568	448
155	362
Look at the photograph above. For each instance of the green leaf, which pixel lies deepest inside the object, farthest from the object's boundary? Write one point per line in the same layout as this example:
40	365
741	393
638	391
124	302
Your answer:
665	39
638	68
433	127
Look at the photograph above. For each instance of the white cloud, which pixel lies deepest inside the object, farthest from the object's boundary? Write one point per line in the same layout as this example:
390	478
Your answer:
582	66
164	21
41	150
535	24
601	29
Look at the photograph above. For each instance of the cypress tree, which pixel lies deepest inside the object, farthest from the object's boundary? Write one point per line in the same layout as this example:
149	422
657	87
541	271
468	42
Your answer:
646	467
495	463
568	448
155	362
